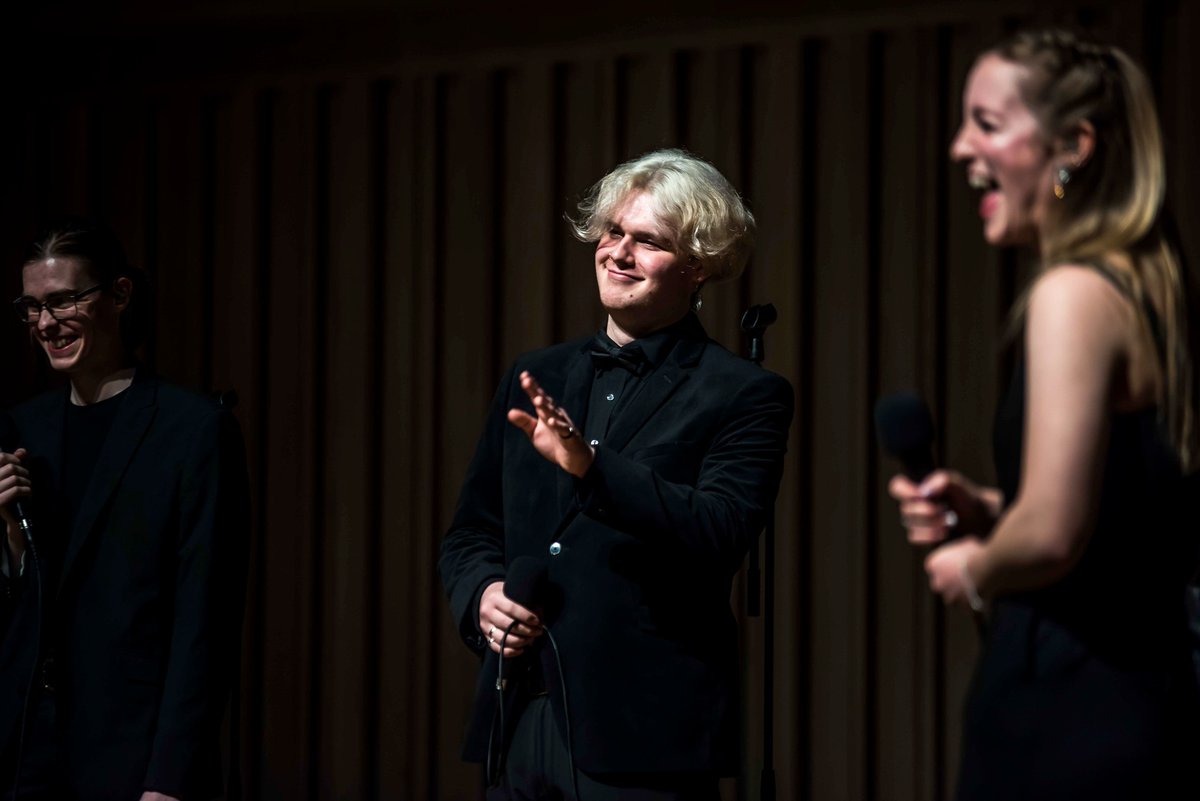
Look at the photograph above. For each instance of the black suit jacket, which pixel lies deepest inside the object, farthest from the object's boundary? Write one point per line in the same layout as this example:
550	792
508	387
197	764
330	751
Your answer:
648	544
142	595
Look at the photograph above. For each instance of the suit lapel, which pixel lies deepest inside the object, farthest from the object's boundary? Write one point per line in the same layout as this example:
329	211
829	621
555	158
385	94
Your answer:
654	392
658	387
124	438
49	453
575	396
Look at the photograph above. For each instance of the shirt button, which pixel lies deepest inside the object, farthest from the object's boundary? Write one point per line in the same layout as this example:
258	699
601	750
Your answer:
555	549
610	396
595	442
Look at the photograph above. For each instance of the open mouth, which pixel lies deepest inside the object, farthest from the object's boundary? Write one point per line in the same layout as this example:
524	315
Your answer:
60	344
990	189
982	182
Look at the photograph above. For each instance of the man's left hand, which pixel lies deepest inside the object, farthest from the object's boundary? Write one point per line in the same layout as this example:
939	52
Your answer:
552	431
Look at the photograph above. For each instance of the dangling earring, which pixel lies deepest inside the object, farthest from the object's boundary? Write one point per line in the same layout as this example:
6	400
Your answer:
697	301
1060	182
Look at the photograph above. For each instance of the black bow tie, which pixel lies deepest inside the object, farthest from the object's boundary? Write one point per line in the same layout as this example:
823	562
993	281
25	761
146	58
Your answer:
630	357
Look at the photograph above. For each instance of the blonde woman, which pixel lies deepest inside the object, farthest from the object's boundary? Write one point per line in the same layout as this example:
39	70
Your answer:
1084	689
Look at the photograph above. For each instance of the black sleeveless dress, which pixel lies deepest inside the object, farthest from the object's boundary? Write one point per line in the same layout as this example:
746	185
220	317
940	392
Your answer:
1085	688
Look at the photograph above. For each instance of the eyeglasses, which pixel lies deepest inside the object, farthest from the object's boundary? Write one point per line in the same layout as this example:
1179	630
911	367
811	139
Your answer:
61	305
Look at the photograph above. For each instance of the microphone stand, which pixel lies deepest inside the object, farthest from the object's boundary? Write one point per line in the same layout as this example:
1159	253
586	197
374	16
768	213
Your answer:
227	400
754	324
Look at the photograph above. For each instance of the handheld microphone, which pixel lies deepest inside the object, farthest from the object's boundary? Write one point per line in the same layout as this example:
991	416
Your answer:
526	581
8	444
525	584
905	430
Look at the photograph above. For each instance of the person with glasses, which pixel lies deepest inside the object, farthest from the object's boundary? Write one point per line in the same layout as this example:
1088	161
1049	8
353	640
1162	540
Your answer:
122	616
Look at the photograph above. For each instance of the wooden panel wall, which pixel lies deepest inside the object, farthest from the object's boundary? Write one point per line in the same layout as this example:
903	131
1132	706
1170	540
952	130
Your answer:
360	254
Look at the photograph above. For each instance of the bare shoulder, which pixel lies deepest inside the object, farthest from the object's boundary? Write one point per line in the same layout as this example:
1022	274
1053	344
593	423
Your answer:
1075	284
1074	303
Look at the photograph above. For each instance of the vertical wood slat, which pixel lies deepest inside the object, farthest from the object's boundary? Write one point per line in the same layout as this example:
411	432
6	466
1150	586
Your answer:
648	108
124	174
711	85
397	712
178	263
239	334
429	515
586	110
709	96
71	159
15	351
530	213
776	168
971	346
838	601
929	274
351	354
1179	101
22	187
288	762
904	723
59	157
237	323
406	756
469	374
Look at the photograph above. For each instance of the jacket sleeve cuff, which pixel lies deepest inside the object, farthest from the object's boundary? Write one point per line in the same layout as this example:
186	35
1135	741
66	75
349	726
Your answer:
592	493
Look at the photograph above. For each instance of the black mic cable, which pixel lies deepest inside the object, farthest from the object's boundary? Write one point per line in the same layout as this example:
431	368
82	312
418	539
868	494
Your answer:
498	716
27	529
524	584
566	705
562	680
501	686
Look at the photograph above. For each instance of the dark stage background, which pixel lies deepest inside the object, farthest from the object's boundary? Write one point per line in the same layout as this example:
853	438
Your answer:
352	213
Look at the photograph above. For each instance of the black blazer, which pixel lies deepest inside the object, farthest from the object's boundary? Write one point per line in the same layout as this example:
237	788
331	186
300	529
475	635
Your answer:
143	595
647	546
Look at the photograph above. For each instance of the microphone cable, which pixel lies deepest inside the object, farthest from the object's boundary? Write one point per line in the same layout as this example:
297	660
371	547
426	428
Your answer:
502	685
35	563
562	680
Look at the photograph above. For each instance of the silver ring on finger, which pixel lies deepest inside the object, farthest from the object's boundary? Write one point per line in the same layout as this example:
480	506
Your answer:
570	432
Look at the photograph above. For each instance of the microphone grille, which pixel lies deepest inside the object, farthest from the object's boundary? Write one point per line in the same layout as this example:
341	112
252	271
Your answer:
525	581
903	423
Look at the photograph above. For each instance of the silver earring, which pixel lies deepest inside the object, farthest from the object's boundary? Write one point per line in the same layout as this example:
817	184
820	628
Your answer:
697	301
1060	182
